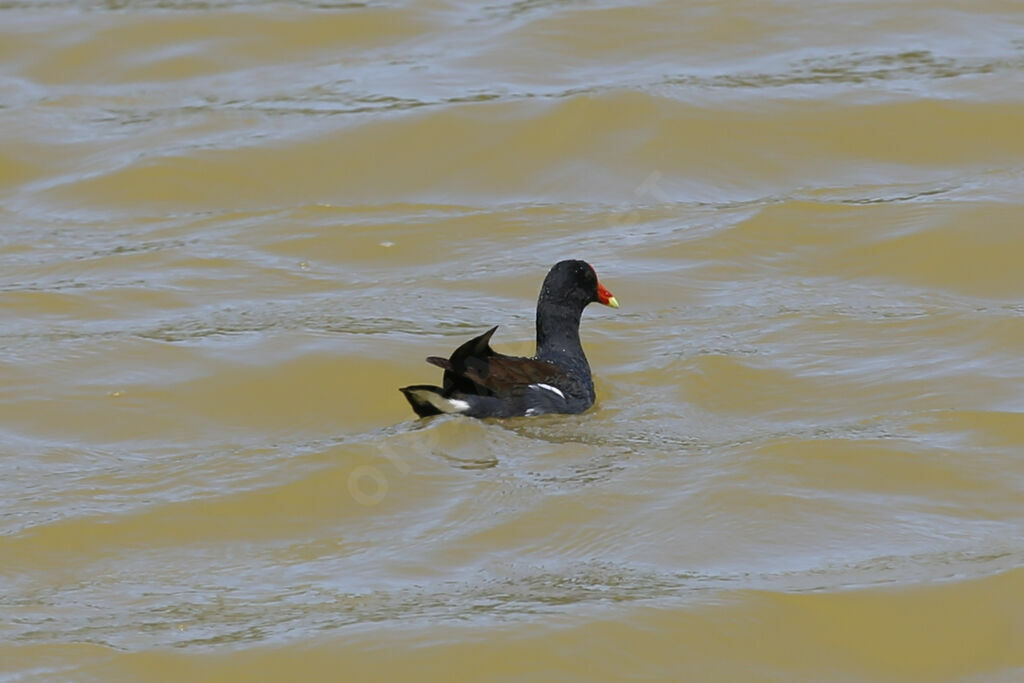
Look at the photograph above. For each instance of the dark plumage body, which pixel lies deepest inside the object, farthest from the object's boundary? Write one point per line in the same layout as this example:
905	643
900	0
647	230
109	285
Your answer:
479	382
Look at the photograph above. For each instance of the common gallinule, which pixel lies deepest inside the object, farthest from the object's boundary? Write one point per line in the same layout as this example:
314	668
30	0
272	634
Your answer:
482	383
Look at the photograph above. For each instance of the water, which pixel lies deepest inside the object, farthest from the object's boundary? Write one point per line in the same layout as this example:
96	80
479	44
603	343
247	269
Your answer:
230	230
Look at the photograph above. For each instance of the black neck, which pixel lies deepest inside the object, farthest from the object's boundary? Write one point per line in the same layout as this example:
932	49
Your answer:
558	330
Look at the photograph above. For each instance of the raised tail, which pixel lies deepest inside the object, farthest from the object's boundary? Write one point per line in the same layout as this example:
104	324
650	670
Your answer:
429	400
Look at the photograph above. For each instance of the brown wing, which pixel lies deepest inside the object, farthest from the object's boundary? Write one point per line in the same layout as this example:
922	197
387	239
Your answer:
504	375
475	368
475	351
443	363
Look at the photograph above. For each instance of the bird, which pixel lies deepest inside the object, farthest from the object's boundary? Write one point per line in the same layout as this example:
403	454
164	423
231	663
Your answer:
479	382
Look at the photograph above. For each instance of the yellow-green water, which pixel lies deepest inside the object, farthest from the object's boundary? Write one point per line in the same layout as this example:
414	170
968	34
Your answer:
230	230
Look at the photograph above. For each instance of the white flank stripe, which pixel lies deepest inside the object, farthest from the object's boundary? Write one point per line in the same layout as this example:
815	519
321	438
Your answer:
549	388
458	406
